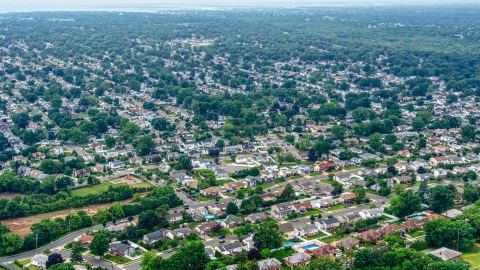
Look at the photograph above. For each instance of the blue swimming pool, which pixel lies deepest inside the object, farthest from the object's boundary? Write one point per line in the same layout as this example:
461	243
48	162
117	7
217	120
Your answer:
288	244
209	216
416	218
311	246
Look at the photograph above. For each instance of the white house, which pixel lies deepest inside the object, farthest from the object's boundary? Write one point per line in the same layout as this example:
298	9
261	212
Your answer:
58	150
229	249
39	260
116	164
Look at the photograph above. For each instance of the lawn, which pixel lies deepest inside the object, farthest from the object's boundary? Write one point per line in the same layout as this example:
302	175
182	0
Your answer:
472	255
223	182
332	239
296	177
70	245
337	207
223	231
204	199
315	173
319	234
383	218
103	186
348	168
314	212
373	192
19	265
278	181
279	255
116	259
328	181
416	234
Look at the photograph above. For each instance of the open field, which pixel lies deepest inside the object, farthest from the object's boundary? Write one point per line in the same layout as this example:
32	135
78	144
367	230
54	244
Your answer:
472	255
103	186
21	226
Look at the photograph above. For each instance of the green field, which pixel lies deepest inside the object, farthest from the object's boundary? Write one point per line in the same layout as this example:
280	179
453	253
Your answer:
472	255
416	234
116	259
337	207
223	182
103	186
313	212
19	265
319	234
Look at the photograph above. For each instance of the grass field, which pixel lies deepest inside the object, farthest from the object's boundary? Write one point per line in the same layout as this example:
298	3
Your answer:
472	255
314	212
315	173
279	255
416	234
223	182
319	234
103	186
337	207
327	181
204	199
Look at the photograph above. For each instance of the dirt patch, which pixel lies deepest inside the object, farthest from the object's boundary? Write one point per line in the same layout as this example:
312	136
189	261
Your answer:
127	180
21	226
8	195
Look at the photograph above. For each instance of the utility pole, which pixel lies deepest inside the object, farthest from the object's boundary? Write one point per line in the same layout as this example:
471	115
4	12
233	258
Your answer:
458	237
36	241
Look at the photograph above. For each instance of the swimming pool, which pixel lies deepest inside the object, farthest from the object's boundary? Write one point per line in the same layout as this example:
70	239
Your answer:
417	218
311	246
288	244
209	216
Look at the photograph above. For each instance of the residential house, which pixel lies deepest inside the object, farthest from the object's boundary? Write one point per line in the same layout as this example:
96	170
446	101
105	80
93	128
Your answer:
325	251
180	176
370	213
301	207
440	173
452	213
39	260
327	224
281	210
110	154
205	228
58	150
98	168
369	236
347	198
250	181
180	233
24	171
390	229
348	243
229	249
307	230
425	177
269	264
217	209
446	254
432	217
297	259
38	156
211	191
120	249
323	203
351	217
287	228
116	164
232	221
85	240
261	216
80	173
221	174
151	238
412	225
175	217
136	160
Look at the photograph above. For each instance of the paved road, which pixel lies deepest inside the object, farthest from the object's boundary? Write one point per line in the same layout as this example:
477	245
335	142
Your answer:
290	149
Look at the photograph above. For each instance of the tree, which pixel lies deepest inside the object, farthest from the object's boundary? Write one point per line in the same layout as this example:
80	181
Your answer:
399	188
441	197
53	259
288	193
338	132
369	162
268	236
240	195
76	254
418	124
364	257
337	187
312	155
145	145
390	139
254	254
361	194
391	161
147	220
117	210
110	141
216	265
468	133
405	203
232	208
449	233
322	263
266	253
421	170
422	143
150	261
189	256
11	242
100	243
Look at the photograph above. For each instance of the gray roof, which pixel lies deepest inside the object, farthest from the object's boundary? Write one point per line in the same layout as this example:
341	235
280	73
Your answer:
266	264
298	257
445	254
229	247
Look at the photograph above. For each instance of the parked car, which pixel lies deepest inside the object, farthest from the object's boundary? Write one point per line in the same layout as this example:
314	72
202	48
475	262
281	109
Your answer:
295	220
221	237
221	242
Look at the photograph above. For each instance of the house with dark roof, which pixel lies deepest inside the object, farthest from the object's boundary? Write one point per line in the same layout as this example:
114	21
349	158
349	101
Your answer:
348	243
229	249
297	259
446	254
269	264
153	237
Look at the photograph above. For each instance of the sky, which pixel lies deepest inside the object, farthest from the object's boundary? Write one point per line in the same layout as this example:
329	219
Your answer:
154	5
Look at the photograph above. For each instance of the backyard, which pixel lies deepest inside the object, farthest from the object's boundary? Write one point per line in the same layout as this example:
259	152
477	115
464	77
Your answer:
19	265
279	255
313	212
319	234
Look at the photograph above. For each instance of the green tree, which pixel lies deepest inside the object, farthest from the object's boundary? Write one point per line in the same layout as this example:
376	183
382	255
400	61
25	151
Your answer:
266	253
323	263
337	187
338	132
468	133
11	242
449	233
405	203
145	145
150	261
189	256
288	194
441	197
100	243
232	208
418	124
76	254
110	141
216	265
268	236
